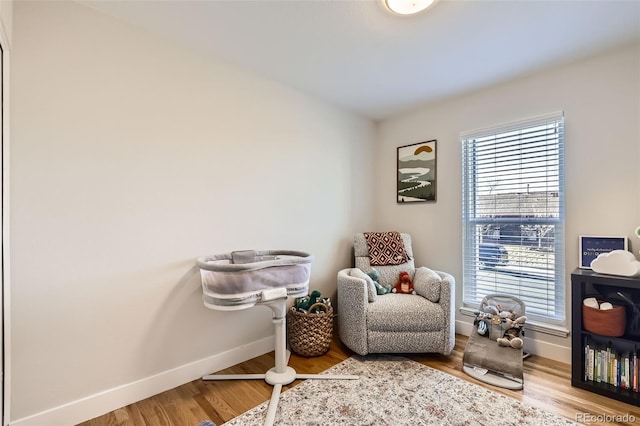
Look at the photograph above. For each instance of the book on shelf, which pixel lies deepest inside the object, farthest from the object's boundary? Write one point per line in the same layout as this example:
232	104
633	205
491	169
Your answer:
636	371
609	365
589	357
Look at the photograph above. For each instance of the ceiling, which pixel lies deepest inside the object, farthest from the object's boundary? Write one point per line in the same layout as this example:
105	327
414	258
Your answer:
358	56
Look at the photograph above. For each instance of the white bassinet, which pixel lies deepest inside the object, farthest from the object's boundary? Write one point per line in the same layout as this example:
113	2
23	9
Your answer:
242	279
237	280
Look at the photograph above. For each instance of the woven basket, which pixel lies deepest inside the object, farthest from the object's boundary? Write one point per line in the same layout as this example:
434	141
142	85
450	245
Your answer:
310	334
610	322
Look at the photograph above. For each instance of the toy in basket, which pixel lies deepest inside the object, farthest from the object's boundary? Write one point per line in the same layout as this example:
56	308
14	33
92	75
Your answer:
310	325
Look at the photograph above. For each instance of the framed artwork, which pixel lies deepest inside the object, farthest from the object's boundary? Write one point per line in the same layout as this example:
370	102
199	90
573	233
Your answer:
417	173
592	246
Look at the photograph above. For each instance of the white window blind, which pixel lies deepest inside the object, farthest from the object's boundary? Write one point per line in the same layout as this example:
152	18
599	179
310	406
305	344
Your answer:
513	215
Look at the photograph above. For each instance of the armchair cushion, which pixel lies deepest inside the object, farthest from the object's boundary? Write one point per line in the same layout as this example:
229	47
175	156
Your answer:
405	313
371	287
427	284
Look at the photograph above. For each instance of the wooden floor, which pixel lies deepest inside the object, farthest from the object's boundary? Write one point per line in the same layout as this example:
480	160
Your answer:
547	386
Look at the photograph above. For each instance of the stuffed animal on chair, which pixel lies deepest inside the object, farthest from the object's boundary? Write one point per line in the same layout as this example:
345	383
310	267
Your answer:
511	336
404	285
375	277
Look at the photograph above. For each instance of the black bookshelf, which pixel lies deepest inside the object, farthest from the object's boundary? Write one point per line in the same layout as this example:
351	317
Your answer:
586	283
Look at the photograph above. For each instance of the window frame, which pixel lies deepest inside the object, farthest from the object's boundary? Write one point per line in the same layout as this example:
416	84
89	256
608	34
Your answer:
470	218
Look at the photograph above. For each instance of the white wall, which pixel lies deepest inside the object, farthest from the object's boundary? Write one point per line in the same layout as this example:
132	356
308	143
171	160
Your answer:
6	15
6	21
130	158
601	100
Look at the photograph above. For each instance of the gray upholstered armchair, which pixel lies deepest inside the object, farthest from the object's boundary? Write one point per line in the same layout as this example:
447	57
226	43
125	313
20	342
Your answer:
395	323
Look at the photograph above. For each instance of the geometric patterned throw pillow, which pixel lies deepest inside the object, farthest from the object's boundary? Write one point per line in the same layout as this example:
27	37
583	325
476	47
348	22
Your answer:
386	248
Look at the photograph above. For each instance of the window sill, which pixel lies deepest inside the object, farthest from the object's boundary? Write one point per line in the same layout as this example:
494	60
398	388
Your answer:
538	327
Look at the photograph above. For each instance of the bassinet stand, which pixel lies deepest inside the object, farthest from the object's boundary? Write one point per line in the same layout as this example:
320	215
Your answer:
281	374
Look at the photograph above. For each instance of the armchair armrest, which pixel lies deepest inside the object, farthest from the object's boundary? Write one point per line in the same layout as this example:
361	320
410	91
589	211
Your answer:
352	304
439	287
447	301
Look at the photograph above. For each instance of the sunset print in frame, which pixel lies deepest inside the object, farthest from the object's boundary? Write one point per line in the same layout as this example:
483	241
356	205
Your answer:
417	172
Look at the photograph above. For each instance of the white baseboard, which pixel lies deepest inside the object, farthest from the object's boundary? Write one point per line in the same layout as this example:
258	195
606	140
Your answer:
533	346
101	403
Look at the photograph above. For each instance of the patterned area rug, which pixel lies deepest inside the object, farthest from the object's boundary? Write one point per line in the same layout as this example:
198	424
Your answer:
396	391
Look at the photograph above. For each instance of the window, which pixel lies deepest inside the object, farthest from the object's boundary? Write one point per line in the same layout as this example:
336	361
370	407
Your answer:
513	215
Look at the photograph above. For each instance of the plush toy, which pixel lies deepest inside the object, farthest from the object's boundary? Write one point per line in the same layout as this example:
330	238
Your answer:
482	327
375	277
503	318
304	303
518	322
511	336
404	285
481	324
491	314
497	310
492	310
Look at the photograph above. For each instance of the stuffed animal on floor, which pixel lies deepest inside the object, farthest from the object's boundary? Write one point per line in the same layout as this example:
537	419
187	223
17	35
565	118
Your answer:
375	277
404	285
511	336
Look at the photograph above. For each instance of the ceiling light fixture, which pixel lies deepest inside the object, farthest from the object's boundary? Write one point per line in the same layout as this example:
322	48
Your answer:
408	7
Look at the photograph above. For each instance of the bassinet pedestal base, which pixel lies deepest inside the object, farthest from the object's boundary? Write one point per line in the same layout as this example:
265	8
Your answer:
281	374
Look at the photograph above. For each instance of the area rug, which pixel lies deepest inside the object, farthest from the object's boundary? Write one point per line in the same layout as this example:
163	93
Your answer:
394	390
